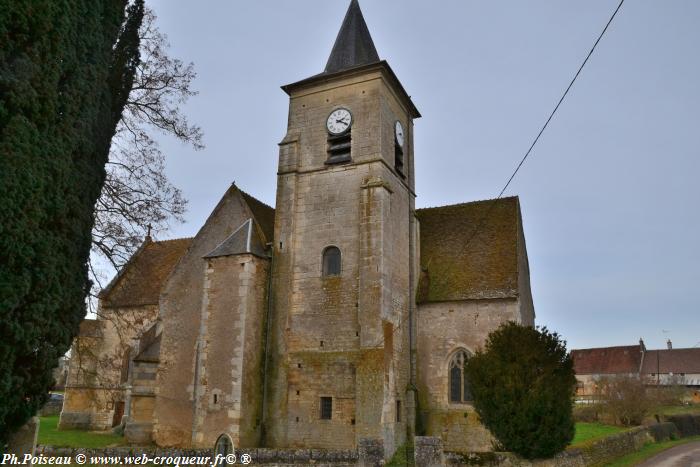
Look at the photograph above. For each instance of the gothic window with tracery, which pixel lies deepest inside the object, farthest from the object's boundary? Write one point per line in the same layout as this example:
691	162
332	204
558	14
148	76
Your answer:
459	388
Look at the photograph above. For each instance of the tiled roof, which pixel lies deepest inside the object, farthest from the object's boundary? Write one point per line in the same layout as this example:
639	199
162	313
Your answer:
264	215
245	239
470	250
149	346
140	280
672	361
91	328
607	360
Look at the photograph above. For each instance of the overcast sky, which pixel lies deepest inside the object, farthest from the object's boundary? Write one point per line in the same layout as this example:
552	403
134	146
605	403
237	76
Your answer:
609	195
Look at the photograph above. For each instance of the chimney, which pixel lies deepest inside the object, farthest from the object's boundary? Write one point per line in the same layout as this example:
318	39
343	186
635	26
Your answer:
641	345
669	344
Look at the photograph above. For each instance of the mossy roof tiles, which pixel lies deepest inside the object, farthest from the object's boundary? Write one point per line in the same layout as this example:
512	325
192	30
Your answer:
264	215
141	279
469	251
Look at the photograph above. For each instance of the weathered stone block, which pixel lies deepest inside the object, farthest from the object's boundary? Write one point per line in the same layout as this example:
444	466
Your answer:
24	440
428	451
370	452
138	433
75	420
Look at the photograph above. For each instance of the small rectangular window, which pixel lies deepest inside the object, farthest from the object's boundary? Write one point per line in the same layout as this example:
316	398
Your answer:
398	411
326	408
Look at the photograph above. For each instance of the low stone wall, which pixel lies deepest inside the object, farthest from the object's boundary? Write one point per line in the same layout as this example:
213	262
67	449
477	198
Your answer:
428	451
259	456
612	447
664	431
688	425
597	453
52	407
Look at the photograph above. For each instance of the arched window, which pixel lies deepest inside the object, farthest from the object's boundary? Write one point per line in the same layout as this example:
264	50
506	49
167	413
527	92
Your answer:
223	446
331	261
460	391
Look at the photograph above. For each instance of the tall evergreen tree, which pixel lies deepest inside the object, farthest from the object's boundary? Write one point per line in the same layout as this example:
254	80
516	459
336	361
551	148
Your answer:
523	386
66	69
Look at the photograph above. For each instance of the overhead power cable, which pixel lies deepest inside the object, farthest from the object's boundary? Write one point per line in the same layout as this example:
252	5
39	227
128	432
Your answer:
494	202
568	88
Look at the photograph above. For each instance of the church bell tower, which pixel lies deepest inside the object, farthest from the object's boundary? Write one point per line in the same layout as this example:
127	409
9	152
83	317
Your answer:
343	267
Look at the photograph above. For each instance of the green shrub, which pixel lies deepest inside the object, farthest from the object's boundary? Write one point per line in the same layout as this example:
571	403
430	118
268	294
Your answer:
523	386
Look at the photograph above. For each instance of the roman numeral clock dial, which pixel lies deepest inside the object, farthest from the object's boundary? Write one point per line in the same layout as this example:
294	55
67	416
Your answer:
339	121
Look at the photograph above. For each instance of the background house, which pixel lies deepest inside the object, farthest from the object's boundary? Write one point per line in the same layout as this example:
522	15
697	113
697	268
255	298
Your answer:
666	367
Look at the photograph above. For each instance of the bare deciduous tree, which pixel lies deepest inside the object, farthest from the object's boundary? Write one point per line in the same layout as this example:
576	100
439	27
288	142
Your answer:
137	195
624	399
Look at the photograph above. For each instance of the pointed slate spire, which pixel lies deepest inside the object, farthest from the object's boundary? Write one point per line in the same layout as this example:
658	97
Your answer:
354	45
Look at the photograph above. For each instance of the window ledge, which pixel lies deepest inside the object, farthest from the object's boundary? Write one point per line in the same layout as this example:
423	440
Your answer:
338	160
460	405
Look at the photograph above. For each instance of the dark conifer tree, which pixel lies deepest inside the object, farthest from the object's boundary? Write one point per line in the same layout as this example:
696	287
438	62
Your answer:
523	386
66	67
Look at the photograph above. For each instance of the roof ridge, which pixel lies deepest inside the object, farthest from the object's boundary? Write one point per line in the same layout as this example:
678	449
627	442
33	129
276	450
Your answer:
172	239
468	203
255	199
609	347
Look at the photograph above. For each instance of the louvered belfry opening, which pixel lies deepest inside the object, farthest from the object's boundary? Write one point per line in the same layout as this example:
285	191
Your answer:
339	148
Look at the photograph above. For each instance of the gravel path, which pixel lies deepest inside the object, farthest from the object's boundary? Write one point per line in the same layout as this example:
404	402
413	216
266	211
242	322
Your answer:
685	455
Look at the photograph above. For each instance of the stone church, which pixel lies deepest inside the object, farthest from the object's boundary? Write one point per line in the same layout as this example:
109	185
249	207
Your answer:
340	314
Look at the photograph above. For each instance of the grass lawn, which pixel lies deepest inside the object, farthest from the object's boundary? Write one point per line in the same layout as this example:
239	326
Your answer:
589	432
650	450
402	457
50	435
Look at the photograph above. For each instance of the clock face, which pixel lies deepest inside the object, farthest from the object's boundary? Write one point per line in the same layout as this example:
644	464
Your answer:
398	131
339	121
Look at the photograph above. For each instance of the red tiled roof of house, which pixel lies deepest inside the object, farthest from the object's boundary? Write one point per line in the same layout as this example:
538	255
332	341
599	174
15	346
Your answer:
672	361
607	360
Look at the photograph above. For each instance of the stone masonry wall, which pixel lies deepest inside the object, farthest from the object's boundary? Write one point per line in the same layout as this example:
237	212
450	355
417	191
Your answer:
442	329
180	312
329	332
527	307
231	351
139	425
95	383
